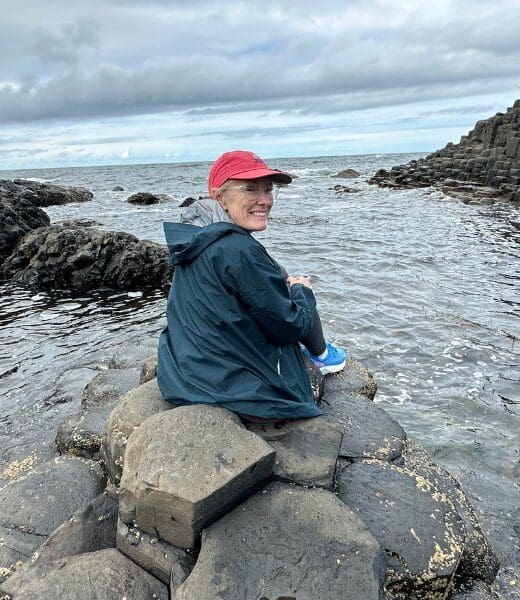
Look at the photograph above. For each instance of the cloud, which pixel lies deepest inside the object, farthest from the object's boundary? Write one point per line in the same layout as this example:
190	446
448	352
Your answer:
162	57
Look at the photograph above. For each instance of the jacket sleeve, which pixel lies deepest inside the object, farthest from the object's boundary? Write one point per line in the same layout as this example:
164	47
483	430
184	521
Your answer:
284	314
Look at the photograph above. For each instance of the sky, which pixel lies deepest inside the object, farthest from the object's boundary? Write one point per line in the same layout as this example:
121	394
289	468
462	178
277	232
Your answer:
127	81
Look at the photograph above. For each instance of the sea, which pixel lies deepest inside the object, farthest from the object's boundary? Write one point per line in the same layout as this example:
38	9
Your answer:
420	287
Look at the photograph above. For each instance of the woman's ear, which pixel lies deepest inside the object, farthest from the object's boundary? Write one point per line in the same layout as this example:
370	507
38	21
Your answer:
218	195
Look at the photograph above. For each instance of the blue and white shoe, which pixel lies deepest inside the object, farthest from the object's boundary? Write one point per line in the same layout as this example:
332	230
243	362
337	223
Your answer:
334	362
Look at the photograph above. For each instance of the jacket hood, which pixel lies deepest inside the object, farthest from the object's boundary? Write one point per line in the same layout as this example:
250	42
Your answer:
203	212
186	241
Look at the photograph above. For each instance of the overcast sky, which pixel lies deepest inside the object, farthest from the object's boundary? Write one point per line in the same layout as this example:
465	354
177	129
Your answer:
121	81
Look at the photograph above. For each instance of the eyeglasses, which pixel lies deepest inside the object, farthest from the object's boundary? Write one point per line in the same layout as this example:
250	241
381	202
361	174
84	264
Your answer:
254	191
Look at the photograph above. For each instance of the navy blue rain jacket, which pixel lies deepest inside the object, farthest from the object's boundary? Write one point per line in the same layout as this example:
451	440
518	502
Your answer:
233	326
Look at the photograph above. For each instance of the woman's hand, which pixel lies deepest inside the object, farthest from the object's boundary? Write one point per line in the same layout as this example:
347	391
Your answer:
302	279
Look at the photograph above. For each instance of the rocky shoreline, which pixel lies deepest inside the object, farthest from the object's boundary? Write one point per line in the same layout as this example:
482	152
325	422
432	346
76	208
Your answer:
147	496
484	165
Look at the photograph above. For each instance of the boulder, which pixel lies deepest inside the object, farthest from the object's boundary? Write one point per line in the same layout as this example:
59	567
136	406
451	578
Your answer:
287	542
412	520
186	467
166	562
103	574
347	174
354	379
145	198
478	560
17	217
133	409
35	504
82	432
82	258
369	431
48	194
90	529
306	450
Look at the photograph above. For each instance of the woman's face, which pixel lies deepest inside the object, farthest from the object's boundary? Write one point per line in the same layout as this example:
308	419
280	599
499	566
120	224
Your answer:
248	202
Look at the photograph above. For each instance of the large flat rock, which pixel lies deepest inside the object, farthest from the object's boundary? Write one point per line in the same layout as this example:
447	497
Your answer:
105	574
287	542
35	504
186	467
369	431
81	433
133	409
413	520
306	450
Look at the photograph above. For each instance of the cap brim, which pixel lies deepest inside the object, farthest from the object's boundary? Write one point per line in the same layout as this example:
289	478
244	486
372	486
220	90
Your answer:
278	176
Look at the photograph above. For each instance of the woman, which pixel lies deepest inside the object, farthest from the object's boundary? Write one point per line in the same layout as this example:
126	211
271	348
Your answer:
234	318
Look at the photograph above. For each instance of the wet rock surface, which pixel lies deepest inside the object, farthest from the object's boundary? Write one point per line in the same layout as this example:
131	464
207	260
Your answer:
82	258
43	194
287	542
484	165
145	198
412	515
347	174
17	217
104	574
81	433
383	439
186	467
38	502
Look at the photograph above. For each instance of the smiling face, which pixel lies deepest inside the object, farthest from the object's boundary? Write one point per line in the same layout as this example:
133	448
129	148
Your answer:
247	201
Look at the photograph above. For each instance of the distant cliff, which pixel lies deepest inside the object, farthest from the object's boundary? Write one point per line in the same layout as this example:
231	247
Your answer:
486	162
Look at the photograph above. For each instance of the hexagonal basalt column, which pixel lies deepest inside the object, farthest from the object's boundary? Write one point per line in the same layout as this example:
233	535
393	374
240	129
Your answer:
186	467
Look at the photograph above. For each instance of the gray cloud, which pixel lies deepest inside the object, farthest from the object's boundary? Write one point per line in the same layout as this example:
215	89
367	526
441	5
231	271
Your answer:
114	58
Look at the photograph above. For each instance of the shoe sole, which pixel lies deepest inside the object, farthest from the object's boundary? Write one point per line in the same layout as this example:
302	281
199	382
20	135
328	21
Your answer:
333	368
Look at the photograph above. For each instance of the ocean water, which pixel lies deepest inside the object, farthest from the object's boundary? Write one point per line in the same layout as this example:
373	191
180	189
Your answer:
422	288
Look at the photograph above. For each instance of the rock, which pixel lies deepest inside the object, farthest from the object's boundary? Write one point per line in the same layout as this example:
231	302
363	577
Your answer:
507	584
189	201
133	409
81	258
145	198
347	174
48	194
354	379
478	590
17	217
148	369
35	504
103	574
287	542
413	522
306	450
316	379
118	188
369	431
344	189
79	223
481	167
90	529
478	560
81	433
162	560
186	467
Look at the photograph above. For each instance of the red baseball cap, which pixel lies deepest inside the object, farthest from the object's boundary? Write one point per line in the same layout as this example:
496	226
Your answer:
241	164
